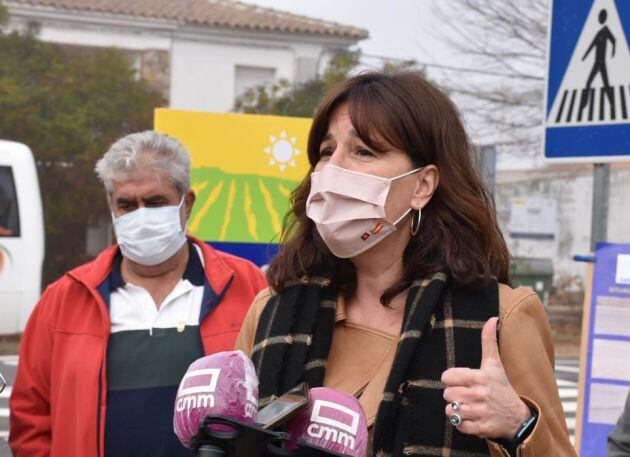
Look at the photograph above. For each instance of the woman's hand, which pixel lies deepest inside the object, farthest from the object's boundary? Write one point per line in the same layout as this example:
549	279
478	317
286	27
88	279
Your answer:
489	406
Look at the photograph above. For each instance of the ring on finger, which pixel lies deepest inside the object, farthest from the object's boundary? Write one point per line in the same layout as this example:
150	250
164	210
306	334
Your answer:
455	419
456	405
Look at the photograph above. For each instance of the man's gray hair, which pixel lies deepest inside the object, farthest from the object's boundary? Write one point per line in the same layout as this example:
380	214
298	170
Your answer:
145	152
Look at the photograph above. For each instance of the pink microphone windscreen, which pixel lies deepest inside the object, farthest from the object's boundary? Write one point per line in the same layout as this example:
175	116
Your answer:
222	384
334	421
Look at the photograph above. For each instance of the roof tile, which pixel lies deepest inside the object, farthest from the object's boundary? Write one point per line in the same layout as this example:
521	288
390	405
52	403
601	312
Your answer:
219	13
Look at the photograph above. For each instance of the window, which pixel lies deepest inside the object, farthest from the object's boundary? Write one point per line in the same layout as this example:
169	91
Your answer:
248	77
9	215
135	61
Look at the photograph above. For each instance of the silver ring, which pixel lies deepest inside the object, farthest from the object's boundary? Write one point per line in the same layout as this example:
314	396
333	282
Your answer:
455	419
456	405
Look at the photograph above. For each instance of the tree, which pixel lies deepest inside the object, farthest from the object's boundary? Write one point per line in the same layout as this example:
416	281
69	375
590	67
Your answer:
503	44
68	109
301	100
4	15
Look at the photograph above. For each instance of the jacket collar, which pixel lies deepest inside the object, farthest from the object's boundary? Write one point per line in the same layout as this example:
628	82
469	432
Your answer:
340	309
194	271
92	274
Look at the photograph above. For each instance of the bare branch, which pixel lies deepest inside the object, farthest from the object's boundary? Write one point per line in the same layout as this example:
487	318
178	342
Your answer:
507	40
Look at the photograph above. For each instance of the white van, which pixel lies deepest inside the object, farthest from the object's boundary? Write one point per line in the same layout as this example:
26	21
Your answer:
21	236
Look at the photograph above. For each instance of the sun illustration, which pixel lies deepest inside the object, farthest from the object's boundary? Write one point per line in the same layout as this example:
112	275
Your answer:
282	151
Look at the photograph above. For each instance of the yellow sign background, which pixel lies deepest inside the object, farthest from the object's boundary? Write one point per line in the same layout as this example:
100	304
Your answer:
244	168
236	143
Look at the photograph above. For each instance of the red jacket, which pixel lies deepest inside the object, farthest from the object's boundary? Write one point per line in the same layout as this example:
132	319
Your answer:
58	400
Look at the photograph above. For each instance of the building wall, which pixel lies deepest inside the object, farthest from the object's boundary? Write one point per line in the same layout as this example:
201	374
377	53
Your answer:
100	36
193	67
203	73
572	191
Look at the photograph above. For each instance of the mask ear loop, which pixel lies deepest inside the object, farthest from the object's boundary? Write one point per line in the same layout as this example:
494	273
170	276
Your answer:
416	218
179	207
410	172
181	202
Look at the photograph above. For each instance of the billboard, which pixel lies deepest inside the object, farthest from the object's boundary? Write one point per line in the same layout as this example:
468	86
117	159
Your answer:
604	361
244	168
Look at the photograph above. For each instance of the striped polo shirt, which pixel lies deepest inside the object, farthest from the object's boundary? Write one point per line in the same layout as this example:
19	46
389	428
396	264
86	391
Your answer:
148	353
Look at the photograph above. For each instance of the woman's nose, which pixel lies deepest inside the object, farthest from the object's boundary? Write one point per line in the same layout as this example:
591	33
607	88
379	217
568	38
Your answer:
338	157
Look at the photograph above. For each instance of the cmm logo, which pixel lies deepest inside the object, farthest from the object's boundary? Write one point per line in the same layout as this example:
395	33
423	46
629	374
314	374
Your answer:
201	393
334	423
5	258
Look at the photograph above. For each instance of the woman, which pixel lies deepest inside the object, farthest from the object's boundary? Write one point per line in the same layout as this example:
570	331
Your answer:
391	274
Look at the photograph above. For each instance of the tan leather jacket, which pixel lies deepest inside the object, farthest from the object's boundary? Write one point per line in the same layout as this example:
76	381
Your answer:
525	345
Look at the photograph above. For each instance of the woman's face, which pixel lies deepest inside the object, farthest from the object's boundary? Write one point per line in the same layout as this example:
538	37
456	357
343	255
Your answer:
342	147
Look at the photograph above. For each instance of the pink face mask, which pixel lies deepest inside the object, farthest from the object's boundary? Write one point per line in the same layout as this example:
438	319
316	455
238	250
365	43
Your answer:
348	209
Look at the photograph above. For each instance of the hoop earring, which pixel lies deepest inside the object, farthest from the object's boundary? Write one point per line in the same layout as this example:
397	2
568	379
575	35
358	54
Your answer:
415	226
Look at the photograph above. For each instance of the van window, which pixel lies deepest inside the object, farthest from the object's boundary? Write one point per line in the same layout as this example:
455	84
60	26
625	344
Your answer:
9	214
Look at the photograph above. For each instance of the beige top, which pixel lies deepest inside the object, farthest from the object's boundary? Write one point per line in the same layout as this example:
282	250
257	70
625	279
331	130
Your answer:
360	360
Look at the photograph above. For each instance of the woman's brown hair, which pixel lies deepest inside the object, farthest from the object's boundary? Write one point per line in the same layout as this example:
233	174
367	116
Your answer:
458	231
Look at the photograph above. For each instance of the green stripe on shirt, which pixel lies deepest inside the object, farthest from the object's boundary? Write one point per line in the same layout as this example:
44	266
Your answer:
165	357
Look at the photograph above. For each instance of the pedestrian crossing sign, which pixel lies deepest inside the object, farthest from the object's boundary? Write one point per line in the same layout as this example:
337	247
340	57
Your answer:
588	82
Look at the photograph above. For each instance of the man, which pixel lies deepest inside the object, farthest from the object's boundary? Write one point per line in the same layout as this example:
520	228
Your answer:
619	438
106	346
600	45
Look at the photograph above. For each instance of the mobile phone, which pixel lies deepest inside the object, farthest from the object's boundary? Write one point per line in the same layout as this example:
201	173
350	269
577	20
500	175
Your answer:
284	407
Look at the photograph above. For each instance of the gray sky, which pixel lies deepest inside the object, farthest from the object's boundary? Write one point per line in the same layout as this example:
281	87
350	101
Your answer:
398	28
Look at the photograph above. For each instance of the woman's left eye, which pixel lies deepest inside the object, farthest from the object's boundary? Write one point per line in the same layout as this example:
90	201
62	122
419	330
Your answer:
365	152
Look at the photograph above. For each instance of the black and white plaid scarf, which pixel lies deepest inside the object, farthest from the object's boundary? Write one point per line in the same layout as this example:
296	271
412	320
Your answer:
441	329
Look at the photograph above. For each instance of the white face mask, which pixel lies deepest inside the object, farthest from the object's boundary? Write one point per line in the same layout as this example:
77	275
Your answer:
150	236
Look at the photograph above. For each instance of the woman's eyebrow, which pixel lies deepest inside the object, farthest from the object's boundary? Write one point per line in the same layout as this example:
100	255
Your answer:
328	136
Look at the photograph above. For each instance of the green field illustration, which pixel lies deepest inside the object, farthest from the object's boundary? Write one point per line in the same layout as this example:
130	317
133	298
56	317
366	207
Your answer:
238	208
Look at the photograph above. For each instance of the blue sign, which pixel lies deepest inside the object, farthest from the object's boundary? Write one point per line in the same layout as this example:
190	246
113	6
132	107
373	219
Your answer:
587	110
259	253
607	380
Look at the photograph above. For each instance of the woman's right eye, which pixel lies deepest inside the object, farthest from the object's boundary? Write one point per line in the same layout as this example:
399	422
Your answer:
326	152
365	152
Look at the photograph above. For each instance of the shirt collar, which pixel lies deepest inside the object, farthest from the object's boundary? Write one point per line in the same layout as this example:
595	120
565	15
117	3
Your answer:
194	272
116	280
340	309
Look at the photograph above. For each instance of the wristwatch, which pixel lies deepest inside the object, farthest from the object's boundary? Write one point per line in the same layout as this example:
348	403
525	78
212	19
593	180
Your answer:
521	435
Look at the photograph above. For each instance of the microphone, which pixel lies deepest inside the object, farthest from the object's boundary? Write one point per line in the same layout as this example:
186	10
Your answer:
223	384
333	421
